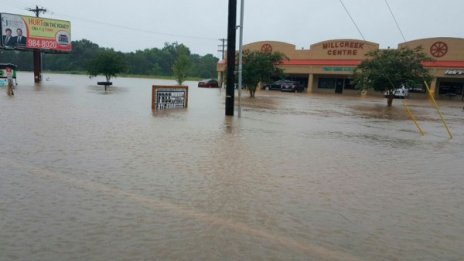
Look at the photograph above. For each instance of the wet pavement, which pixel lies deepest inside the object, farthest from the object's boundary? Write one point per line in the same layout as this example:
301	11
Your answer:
89	175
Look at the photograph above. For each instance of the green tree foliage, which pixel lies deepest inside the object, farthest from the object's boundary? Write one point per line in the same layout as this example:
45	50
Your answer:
181	66
153	62
260	67
108	63
387	70
22	59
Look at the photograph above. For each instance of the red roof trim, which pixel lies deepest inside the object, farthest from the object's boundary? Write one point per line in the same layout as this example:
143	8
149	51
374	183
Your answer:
353	63
444	64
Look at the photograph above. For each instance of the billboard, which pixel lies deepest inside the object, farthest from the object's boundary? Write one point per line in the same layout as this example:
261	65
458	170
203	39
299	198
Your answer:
27	32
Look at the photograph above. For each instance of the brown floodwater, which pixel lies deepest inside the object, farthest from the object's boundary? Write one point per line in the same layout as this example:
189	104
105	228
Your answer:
89	175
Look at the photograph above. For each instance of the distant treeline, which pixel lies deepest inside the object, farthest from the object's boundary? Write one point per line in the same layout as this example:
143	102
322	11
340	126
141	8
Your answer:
153	62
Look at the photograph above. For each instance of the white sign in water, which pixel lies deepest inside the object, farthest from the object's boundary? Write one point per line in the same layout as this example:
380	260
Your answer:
169	97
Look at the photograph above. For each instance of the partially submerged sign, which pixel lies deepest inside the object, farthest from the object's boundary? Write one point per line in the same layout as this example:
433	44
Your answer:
7	71
169	97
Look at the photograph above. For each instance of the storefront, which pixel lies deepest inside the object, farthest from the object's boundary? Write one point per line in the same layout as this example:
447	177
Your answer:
328	67
447	67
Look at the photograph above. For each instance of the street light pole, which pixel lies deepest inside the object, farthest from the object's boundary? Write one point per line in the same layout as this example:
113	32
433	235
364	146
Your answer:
240	59
231	38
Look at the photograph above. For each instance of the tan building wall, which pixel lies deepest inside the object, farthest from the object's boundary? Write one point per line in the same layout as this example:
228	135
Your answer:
348	49
440	49
334	61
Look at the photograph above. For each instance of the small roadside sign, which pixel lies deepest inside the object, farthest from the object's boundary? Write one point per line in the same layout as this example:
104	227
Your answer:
9	73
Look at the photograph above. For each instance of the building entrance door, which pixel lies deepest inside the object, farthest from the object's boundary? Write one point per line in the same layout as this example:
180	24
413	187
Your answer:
451	89
339	86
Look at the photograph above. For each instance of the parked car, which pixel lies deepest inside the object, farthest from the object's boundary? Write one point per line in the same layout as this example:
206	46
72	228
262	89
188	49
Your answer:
291	86
284	85
277	85
400	93
208	83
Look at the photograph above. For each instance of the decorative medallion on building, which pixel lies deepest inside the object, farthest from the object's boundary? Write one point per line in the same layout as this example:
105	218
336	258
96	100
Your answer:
266	48
439	49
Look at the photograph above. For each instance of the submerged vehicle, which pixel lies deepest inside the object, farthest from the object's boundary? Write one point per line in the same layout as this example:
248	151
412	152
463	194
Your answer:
208	83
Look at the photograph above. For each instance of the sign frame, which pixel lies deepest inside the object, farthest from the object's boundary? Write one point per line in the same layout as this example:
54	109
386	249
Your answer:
159	90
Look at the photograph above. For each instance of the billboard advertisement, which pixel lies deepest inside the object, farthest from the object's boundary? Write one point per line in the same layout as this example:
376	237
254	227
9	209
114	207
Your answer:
27	32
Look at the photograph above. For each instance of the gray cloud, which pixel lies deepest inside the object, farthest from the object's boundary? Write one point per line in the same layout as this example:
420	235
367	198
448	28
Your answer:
139	24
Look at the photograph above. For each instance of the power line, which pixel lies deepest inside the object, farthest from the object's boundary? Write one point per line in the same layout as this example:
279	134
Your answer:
137	29
352	20
396	21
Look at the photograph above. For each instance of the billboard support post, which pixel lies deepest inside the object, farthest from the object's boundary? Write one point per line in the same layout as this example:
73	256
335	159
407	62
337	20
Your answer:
36	53
37	66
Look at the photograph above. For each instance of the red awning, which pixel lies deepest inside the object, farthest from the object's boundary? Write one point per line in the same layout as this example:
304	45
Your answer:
353	63
444	64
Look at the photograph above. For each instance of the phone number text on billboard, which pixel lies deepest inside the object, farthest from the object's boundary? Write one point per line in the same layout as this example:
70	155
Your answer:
42	44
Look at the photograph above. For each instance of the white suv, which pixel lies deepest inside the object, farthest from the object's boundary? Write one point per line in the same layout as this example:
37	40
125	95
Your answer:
401	93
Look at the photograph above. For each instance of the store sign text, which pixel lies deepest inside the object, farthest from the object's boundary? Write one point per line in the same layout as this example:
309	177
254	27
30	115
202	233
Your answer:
343	48
338	69
454	72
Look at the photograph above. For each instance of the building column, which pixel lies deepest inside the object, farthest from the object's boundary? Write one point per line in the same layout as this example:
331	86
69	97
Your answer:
434	87
220	78
310	83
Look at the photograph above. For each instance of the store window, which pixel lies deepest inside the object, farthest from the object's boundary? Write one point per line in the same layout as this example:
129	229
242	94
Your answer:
327	83
349	84
331	83
450	88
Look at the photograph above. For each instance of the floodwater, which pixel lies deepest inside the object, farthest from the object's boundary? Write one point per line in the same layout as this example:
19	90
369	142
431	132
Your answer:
89	175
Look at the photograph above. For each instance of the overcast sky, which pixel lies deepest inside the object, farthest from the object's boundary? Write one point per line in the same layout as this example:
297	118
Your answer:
139	24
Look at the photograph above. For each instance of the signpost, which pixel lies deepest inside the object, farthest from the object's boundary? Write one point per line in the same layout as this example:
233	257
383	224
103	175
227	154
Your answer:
169	97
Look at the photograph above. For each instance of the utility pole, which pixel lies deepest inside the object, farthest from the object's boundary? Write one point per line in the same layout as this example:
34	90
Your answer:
231	38
37	10
222	51
223	46
37	55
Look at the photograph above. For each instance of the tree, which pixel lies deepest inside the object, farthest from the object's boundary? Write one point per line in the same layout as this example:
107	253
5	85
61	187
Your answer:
153	61
260	67
108	63
181	66
387	70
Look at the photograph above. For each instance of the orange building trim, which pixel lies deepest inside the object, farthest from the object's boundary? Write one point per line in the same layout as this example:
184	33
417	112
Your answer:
322	62
444	64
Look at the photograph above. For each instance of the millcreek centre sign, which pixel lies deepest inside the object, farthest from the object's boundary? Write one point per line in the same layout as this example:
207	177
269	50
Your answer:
169	97
340	48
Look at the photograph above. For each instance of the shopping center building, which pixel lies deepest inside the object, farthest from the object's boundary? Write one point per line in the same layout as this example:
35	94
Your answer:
328	67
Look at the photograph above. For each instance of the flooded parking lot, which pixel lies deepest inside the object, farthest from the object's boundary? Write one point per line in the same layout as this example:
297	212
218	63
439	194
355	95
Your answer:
89	175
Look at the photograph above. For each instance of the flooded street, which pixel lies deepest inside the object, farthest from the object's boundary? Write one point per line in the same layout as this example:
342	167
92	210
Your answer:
89	175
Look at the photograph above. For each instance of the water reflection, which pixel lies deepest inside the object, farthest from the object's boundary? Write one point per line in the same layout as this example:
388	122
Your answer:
92	176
